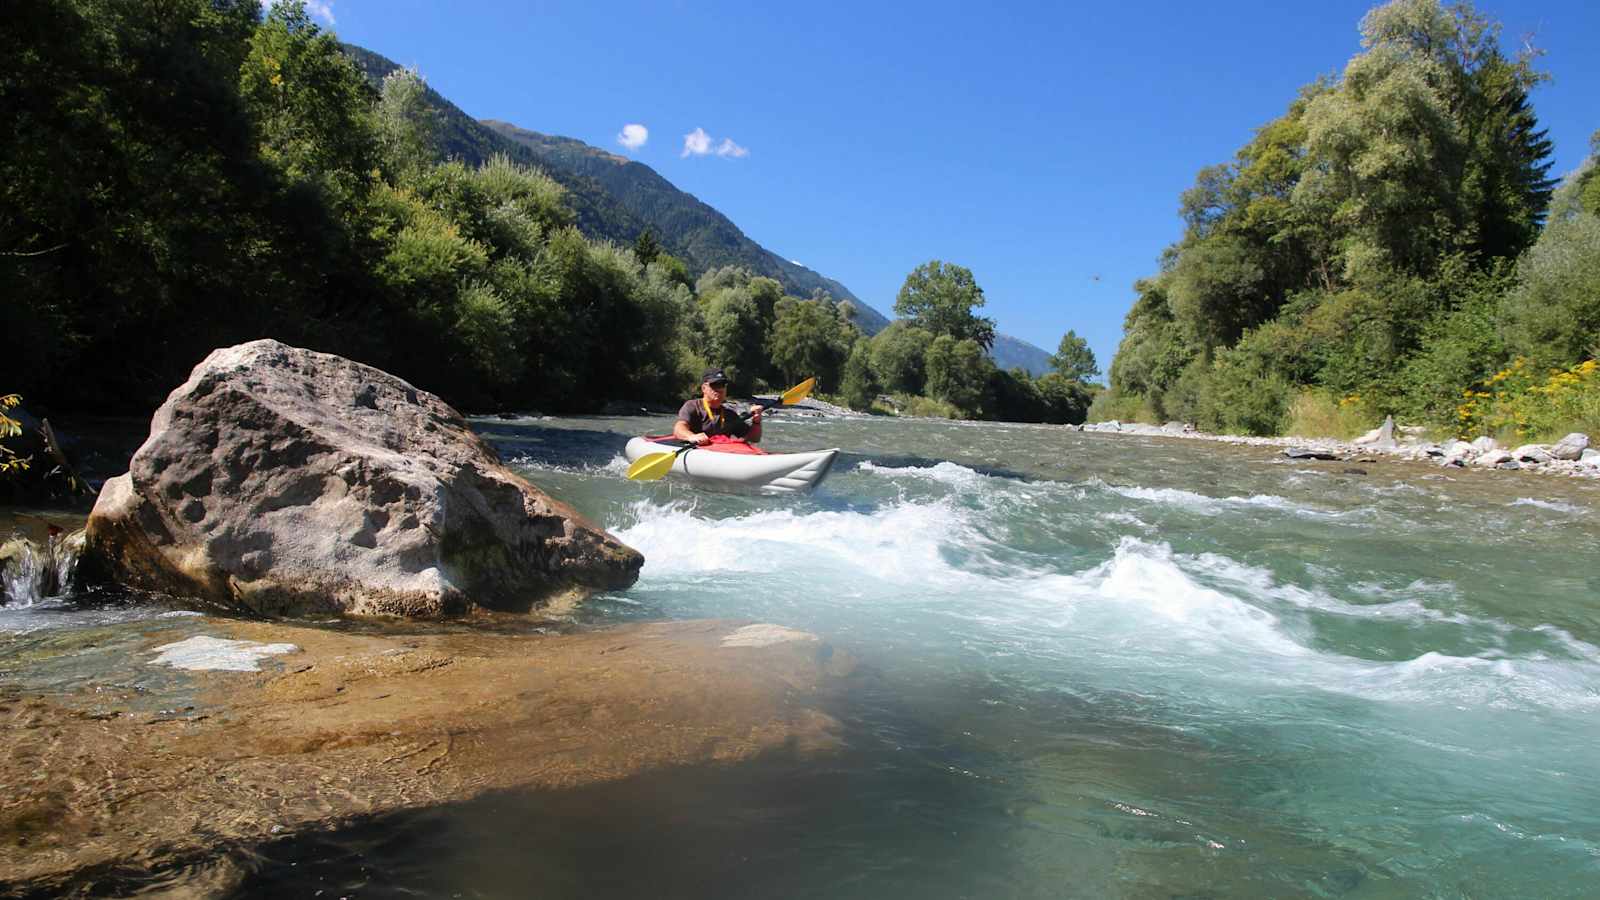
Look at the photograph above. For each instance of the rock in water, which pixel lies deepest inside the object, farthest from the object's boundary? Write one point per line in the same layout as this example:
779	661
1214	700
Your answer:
1309	453
282	480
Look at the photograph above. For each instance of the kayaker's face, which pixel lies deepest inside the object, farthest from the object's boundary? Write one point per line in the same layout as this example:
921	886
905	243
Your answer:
714	392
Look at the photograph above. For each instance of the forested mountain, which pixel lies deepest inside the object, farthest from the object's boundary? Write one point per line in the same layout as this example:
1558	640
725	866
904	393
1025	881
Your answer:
699	234
1010	353
617	199
190	174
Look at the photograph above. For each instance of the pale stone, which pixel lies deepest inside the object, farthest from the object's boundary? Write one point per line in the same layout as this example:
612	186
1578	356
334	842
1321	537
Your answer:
1458	453
280	480
1534	453
1571	446
765	636
1382	437
1485	444
208	653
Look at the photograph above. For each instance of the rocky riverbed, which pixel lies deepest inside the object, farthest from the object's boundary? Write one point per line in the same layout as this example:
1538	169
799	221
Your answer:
132	750
1571	456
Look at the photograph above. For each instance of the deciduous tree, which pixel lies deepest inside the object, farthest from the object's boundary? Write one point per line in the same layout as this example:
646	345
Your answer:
940	298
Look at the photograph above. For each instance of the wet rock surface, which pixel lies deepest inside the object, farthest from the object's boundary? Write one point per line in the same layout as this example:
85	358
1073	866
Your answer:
104	778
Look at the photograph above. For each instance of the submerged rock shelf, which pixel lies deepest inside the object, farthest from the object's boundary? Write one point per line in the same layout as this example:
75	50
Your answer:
341	725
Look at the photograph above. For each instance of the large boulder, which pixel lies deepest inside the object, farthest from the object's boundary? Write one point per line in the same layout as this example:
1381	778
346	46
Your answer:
281	480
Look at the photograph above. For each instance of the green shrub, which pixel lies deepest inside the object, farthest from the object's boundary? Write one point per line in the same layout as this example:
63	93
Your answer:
1111	404
9	427
1317	413
927	407
1521	404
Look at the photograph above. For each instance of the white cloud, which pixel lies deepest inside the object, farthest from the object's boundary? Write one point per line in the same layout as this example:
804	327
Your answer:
633	136
321	9
696	143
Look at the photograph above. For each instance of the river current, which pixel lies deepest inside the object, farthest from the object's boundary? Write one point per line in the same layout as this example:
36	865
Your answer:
1101	666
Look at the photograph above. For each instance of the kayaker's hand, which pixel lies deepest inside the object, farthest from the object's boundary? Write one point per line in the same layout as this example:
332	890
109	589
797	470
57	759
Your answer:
700	437
755	412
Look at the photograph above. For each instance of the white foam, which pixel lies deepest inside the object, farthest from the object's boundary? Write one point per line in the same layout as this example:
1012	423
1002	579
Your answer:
1212	506
946	473
1195	625
897	543
1552	505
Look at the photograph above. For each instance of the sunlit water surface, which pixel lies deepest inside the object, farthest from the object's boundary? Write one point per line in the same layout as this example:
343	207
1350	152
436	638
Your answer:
1099	666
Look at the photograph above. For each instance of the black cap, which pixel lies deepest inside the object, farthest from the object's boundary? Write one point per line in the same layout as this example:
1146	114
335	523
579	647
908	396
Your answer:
713	375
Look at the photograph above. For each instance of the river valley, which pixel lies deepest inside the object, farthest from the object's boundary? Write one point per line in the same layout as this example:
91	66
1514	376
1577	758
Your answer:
1096	665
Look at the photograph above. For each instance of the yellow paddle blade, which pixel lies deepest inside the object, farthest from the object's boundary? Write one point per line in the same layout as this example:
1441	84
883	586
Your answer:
799	392
651	466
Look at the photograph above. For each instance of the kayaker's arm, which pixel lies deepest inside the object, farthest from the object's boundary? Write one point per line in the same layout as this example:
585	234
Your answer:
682	431
754	434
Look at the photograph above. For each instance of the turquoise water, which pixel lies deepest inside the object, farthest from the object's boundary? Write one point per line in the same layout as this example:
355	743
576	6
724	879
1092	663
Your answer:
1154	667
1097	666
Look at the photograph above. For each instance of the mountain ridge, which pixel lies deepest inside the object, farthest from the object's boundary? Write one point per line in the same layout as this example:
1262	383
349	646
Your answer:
618	198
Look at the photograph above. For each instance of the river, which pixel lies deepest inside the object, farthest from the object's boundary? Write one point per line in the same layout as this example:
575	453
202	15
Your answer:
1100	666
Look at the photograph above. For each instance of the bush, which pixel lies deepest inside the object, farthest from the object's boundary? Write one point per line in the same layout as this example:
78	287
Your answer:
1316	413
9	427
1518	404
1459	350
1112	404
926	407
1236	394
1553	315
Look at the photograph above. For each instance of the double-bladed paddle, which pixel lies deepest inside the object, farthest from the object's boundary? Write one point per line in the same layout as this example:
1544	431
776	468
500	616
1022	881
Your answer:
653	466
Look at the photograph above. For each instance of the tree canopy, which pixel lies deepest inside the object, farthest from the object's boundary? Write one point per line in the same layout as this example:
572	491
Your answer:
1354	236
1074	360
940	297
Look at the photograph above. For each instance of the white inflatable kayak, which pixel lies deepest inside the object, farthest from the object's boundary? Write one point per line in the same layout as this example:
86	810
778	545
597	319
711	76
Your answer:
729	470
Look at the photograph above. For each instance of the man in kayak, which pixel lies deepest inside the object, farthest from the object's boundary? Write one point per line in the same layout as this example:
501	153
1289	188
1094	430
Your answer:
707	415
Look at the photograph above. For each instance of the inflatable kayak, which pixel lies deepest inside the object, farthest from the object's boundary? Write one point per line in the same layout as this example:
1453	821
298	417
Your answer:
734	465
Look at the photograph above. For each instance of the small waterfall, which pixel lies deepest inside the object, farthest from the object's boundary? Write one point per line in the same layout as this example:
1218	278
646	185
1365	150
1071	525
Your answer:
31	572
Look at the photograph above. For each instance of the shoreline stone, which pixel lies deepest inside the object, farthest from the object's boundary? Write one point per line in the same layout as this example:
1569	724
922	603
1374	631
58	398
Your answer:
1482	453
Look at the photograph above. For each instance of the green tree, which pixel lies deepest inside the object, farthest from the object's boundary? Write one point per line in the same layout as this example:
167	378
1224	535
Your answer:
735	338
1587	184
1428	146
313	110
899	354
1553	314
958	372
940	298
1066	400
407	124
808	339
857	385
646	247
1074	360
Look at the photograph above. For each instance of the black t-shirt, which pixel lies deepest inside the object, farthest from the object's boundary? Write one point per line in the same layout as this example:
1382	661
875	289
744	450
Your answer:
722	421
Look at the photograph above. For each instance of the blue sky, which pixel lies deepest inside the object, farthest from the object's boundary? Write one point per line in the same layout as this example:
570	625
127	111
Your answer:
1043	146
